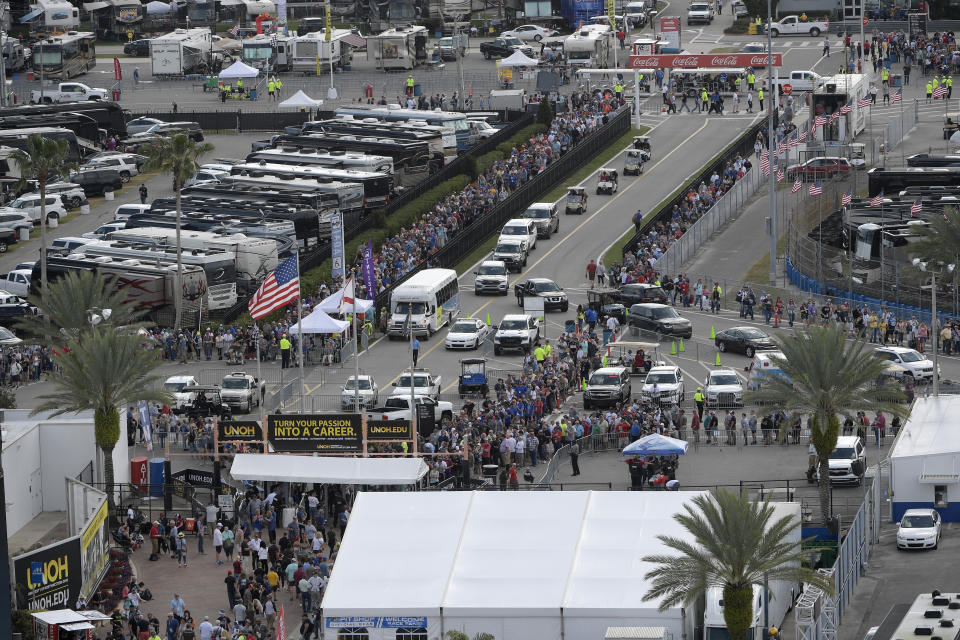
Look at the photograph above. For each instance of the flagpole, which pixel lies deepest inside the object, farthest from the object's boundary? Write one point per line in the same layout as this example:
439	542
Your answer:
256	339
413	406
356	354
903	161
300	342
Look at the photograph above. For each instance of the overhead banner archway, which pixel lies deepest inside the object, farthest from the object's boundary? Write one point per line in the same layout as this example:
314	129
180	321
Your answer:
704	61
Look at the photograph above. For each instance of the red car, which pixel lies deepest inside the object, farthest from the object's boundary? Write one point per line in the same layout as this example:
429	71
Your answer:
819	168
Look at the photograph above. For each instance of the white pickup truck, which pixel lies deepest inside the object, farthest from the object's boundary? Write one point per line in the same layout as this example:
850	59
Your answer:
398	408
793	26
68	92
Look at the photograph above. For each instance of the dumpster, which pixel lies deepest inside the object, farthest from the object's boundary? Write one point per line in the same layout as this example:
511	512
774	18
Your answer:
139	475
156	477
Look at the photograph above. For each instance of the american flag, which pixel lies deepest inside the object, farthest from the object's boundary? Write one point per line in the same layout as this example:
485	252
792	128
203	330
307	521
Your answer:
816	188
797	185
281	287
782	148
780	175
898	96
803	135
794	141
765	163
235	30
939	92
864	102
834	116
877	200
819	121
916	207
845	109
846	198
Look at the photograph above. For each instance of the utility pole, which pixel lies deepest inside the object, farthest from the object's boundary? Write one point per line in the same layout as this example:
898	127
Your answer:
770	150
6	620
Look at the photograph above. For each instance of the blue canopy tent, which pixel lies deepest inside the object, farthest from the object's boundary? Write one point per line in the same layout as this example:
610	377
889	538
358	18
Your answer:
656	445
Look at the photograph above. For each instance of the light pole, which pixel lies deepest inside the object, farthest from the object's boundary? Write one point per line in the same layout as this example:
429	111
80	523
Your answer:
934	328
770	149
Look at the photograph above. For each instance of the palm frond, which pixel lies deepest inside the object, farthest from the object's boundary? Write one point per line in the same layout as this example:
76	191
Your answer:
940	240
177	156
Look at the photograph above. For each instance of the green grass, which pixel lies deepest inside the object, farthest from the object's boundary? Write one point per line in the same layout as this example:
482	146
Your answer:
616	147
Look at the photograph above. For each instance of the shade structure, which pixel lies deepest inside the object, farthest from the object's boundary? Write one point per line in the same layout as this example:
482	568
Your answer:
157	7
239	70
300	99
656	445
259	467
518	59
331	304
319	322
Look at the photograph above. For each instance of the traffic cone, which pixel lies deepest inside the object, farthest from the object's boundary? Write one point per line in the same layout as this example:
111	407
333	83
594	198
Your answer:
717	363
673	348
713	332
488	319
681	345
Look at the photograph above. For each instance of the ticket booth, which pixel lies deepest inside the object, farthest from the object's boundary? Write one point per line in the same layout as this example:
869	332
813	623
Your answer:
64	624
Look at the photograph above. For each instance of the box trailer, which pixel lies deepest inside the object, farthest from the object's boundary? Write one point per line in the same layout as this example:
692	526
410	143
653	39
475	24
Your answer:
181	52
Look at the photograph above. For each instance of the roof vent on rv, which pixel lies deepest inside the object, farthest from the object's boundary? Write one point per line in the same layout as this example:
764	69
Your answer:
940	601
946	622
338	152
923	631
954	605
933	613
71	33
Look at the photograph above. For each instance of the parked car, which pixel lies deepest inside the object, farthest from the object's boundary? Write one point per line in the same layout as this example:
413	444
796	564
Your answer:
104	230
467	333
17	282
529	32
139	48
745	340
15	219
915	363
70	194
919	529
96	182
8	237
424	384
504	48
29	204
241	390
8	339
139	125
366	390
848	461
819	168
637	293
660	318
206	175
126	168
176	385
171	128
130	158
700	12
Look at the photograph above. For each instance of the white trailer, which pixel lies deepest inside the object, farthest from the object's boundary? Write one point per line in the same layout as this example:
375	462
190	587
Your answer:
589	47
181	52
56	13
398	48
842	89
770	606
268	52
312	53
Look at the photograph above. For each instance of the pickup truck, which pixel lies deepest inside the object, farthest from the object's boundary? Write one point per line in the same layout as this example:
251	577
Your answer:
17	282
398	408
424	384
504	47
68	92
793	26
241	391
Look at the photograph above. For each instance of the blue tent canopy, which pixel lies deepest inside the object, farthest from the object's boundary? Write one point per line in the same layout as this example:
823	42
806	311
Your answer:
30	16
656	445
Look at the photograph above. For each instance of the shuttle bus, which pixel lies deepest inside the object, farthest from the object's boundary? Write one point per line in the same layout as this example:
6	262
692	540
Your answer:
429	299
65	56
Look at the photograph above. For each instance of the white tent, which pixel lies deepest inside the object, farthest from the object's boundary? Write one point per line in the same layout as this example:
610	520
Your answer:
300	99
319	322
238	70
518	59
331	304
257	467
566	561
156	7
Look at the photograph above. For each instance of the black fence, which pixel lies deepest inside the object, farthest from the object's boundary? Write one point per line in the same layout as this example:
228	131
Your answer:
232	119
742	145
482	228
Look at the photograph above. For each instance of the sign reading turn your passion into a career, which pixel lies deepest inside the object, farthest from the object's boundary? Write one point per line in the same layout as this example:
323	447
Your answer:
329	433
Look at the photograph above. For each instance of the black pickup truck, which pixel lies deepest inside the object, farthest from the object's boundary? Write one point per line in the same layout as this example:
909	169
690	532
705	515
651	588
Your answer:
504	48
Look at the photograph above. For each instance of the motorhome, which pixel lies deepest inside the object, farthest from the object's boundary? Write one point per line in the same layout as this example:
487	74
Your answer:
322	158
590	46
54	14
66	56
399	48
181	52
14	58
456	131
836	92
313	53
270	53
413	159
377	187
325	194
442	138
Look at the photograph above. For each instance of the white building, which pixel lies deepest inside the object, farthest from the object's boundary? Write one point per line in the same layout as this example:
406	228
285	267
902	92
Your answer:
519	565
925	460
39	452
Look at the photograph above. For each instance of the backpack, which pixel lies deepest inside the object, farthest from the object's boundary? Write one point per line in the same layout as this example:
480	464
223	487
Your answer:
146	595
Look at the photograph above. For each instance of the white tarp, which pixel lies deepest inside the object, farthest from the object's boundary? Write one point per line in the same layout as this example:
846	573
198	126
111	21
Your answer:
518	59
239	70
580	554
156	7
331	304
258	467
319	322
300	99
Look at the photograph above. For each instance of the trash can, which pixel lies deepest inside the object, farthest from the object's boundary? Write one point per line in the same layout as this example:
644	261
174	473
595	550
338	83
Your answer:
85	209
190	524
24	234
289	515
417	90
139	475
116	95
253	94
53	222
108	195
156	477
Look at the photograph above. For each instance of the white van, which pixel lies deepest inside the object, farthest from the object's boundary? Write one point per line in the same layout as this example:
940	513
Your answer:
765	364
124	211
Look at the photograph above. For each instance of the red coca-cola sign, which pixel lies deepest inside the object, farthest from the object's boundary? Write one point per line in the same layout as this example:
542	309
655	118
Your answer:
704	61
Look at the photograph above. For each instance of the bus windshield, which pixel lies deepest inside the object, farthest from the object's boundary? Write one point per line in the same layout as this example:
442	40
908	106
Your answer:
415	308
257	52
50	56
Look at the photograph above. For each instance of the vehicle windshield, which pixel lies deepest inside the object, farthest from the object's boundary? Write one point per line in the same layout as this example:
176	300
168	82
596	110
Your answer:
536	214
699	7
415	308
6	334
666	312
19	203
492	270
174	387
508	248
753	334
579	55
544	287
364	384
513	42
842	453
574	197
726	378
661	378
911	356
604	378
513	325
515	231
463	327
235	383
418	381
917	522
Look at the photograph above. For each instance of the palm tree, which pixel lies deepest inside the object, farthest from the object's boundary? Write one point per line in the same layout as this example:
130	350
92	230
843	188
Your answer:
826	375
737	545
177	155
45	161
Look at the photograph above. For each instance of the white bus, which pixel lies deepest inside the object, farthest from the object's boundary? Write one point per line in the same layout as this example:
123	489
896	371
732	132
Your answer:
430	298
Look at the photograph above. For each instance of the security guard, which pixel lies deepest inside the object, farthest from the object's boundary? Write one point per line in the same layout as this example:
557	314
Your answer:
760	98
546	348
540	355
929	90
284	352
410	85
949	84
885	76
618	89
705	99
698	400
751	79
271	87
936	83
736	83
279	86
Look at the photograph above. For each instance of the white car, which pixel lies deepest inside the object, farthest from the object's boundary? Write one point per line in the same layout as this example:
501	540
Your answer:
124	211
919	529
522	228
663	385
242	391
367	391
104	230
723	389
915	363
516	332
424	384
482	129
529	32
8	339
467	333
175	385
29	204
700	12
206	175
15	219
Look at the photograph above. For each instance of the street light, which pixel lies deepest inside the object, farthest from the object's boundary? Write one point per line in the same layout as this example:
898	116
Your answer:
925	267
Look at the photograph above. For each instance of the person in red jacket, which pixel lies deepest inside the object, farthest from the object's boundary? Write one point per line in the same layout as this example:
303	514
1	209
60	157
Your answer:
155	540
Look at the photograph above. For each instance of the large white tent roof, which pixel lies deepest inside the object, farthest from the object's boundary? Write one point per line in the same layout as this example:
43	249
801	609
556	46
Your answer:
930	429
239	70
319	322
496	554
258	467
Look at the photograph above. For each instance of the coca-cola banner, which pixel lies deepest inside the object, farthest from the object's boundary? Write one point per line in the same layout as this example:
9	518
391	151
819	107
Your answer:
703	61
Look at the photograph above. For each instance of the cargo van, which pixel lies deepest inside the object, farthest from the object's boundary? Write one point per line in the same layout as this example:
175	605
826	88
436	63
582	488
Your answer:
764	365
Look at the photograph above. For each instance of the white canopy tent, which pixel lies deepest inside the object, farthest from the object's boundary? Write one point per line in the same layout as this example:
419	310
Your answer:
238	70
580	552
518	59
157	7
300	99
257	467
319	322
331	304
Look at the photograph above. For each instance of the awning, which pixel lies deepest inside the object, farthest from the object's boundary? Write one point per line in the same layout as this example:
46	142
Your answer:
939	478
30	16
354	40
76	626
95	6
634	633
260	467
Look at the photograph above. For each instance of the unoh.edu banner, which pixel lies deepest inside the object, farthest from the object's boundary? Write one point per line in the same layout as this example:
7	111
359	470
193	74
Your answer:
49	578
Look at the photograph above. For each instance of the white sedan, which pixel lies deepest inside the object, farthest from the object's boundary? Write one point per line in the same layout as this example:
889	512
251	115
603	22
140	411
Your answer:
919	529
529	32
467	333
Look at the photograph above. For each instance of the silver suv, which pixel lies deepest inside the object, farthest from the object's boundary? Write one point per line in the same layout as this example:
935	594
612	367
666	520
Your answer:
607	387
491	278
700	12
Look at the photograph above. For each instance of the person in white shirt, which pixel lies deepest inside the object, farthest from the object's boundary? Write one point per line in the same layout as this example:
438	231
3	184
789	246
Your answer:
218	541
207	629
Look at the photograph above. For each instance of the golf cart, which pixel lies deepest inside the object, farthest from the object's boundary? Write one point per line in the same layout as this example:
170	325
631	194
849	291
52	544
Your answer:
642	143
606	302
607	182
857	155
640	357
576	200
634	162
208	402
473	377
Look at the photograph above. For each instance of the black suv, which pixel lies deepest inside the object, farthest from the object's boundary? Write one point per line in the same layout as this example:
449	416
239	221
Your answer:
660	318
138	48
636	293
95	182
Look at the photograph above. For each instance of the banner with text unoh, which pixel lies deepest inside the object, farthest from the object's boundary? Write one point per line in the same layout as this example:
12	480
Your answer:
326	433
49	578
389	430
239	431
